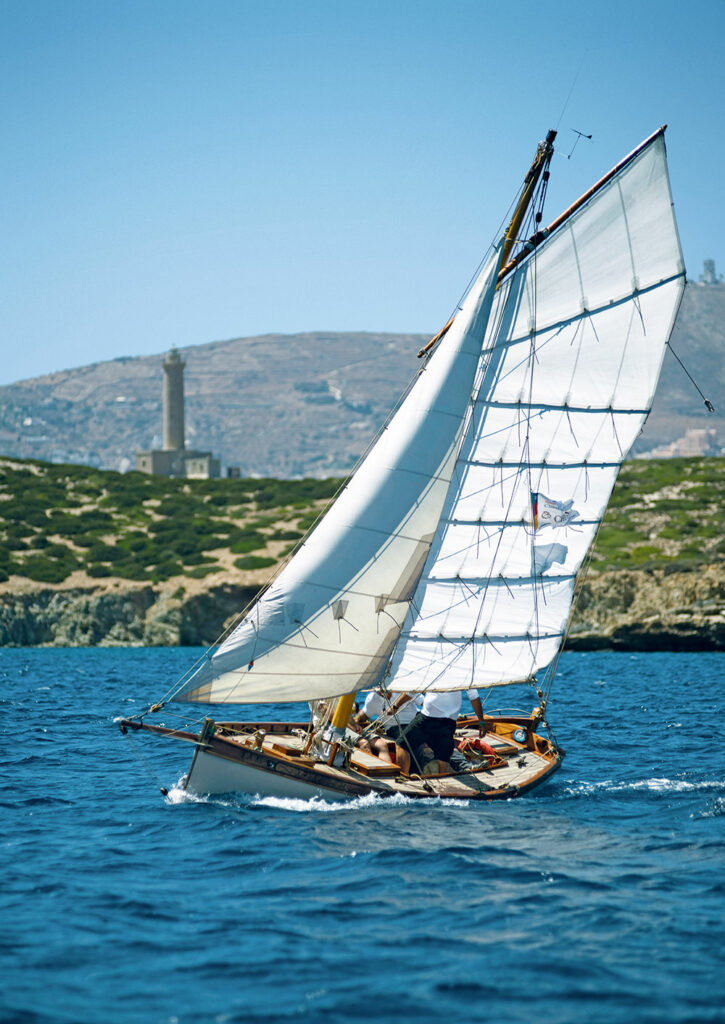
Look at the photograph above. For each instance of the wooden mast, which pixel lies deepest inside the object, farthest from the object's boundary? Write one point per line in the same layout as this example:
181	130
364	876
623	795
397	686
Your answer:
543	156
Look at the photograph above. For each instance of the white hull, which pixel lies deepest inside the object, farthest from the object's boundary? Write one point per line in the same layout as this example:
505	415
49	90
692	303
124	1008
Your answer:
211	774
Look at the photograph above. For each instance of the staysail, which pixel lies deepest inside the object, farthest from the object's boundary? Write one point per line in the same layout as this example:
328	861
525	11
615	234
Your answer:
328	623
566	379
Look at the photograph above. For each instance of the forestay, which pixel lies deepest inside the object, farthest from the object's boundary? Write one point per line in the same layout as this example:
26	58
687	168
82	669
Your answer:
566	379
328	623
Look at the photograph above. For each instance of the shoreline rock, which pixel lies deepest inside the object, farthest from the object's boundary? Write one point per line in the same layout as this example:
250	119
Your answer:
633	610
650	610
126	616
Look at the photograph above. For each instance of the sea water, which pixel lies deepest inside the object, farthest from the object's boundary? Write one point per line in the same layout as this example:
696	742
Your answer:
599	899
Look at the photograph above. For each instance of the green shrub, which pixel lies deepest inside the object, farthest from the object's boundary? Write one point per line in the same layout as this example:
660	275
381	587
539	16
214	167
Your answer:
642	553
36	517
95	519
199	560
261	522
201	571
65	523
85	540
44	570
59	551
186	546
123	500
134	542
254	562
131	570
16	530
165	570
98	570
99	552
248	541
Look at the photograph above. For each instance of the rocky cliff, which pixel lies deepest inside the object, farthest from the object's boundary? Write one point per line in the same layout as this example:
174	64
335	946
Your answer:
651	609
118	615
643	609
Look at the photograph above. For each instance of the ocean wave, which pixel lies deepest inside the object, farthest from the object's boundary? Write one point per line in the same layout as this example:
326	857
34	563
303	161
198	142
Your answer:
653	785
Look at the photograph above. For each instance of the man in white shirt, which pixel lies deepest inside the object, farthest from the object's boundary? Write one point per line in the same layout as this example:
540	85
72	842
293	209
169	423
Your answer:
395	724
377	706
429	737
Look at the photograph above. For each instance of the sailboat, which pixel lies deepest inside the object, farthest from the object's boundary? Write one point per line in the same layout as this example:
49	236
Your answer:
451	557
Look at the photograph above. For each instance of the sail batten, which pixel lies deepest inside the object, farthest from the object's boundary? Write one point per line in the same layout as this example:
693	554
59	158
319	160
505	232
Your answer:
463	641
567	407
589	312
541	465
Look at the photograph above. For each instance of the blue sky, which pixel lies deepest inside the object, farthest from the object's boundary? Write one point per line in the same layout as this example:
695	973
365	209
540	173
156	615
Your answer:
178	172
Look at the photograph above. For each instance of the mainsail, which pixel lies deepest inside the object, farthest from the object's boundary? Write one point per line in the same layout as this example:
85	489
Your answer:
567	377
433	553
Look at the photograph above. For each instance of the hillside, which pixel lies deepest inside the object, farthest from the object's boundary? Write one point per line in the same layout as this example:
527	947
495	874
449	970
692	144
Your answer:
278	405
299	405
91	556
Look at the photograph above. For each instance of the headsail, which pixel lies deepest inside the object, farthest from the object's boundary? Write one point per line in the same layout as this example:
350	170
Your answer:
566	379
328	623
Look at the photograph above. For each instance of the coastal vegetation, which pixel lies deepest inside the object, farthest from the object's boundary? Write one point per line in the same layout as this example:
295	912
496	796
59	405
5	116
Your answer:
664	514
63	523
59	520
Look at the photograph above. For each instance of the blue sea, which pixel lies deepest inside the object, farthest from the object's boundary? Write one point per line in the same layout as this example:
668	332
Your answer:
599	899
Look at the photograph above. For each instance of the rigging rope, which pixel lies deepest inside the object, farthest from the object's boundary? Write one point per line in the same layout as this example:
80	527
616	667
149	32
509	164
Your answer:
145	765
708	404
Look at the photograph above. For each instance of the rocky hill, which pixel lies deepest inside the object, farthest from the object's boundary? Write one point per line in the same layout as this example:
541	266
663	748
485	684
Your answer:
278	405
300	405
91	557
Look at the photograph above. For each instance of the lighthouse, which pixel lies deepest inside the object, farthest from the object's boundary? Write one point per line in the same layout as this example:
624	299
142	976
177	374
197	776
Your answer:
175	459
173	401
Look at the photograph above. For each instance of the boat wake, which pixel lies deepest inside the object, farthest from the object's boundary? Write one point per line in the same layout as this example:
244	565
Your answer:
295	805
318	806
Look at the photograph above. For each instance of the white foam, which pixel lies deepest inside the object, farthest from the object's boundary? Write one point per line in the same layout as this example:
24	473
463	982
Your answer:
178	795
315	804
653	785
715	810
